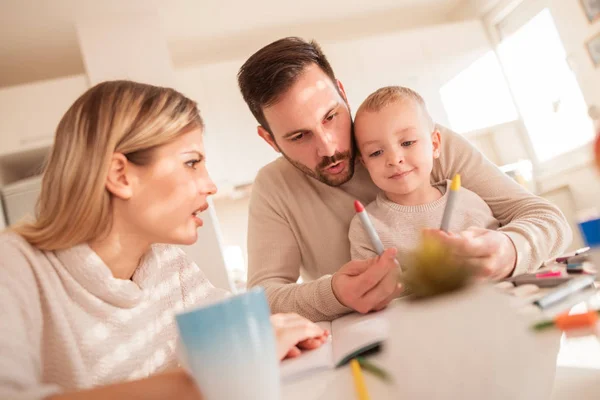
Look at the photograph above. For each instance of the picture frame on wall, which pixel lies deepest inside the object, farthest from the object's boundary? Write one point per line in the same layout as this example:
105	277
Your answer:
593	48
591	9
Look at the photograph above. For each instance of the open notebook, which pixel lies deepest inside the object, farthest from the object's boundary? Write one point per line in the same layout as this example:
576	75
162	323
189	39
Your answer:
351	335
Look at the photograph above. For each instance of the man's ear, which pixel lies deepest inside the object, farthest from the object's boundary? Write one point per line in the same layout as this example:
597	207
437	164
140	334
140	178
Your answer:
342	91
118	182
436	140
267	137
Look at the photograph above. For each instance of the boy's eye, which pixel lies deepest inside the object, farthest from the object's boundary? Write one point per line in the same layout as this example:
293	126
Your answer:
408	143
376	153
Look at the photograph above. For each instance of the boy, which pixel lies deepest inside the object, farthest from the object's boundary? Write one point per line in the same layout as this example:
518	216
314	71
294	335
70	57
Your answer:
398	141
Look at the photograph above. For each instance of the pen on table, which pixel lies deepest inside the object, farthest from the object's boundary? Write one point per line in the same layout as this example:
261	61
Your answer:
565	290
359	381
366	222
453	192
566	322
578	252
374	369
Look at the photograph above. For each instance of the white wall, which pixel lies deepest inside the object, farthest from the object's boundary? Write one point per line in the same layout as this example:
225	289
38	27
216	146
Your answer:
233	218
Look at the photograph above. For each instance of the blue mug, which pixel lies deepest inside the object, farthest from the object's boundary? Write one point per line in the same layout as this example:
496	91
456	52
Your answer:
230	348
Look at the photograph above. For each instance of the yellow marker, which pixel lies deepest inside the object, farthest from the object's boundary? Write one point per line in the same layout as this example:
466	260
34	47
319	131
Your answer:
455	184
359	381
454	188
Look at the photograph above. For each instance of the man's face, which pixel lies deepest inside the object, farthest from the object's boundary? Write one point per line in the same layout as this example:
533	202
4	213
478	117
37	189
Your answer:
312	127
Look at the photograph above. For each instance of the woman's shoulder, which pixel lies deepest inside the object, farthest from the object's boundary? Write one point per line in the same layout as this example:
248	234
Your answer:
12	245
17	259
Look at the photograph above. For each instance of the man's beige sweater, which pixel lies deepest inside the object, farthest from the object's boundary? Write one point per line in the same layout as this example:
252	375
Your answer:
298	226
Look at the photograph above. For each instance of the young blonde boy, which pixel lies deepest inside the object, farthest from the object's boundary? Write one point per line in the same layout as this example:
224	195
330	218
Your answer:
398	143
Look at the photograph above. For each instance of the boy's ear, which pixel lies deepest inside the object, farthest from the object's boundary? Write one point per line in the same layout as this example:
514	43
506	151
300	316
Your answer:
267	137
436	140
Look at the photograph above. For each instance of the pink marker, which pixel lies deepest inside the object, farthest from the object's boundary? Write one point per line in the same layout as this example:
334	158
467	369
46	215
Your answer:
549	274
366	222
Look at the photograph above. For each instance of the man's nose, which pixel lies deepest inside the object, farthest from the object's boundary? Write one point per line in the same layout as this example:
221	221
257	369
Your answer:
326	144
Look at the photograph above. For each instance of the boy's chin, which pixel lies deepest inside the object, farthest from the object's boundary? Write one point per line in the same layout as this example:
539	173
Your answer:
399	189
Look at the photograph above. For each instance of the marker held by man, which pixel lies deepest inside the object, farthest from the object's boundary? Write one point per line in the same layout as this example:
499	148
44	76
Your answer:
366	222
453	193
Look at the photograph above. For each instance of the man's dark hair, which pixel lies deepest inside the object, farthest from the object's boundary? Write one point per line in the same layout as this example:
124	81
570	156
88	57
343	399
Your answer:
272	70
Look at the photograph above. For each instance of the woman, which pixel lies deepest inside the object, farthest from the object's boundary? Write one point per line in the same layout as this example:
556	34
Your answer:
87	292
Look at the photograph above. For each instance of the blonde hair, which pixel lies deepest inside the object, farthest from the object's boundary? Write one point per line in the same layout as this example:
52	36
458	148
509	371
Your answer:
112	117
392	94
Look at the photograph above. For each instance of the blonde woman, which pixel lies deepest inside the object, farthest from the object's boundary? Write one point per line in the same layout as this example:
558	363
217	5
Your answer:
89	290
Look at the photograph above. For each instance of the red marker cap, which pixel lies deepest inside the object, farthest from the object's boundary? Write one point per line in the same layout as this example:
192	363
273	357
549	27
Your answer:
358	206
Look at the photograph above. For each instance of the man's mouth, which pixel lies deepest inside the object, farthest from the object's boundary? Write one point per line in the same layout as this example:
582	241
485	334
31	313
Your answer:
336	167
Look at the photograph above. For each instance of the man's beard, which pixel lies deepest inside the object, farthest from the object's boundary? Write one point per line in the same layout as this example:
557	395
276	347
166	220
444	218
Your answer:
318	174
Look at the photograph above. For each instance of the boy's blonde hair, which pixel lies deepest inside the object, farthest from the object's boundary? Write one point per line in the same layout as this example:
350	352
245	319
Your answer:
391	94
124	117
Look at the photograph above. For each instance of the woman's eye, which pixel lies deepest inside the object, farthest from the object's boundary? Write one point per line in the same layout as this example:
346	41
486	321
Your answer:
192	163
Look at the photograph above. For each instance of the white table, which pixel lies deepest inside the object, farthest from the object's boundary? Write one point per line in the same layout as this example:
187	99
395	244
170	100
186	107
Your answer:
470	345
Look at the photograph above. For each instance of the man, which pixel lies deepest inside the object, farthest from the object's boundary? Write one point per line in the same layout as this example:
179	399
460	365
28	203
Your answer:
302	204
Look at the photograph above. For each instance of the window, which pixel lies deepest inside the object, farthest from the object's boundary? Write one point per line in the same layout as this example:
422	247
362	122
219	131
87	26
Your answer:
478	97
545	89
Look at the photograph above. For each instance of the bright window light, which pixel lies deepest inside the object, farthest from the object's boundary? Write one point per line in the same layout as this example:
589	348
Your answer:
545	89
478	96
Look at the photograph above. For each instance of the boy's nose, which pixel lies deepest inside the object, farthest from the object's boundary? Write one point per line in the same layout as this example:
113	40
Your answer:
394	158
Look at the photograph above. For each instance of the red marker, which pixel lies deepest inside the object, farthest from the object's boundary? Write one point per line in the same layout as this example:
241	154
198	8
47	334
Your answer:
366	222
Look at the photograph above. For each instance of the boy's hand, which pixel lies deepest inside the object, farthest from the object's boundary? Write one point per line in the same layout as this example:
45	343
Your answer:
491	251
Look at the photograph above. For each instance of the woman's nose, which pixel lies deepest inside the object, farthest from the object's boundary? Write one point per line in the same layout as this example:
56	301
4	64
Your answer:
207	186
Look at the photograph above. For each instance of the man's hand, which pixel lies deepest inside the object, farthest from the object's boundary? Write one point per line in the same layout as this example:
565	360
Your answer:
368	285
492	252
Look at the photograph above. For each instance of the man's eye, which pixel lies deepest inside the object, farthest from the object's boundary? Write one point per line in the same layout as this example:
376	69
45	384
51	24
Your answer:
297	137
330	117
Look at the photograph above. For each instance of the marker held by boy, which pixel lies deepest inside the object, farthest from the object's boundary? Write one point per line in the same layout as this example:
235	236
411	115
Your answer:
453	192
366	222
